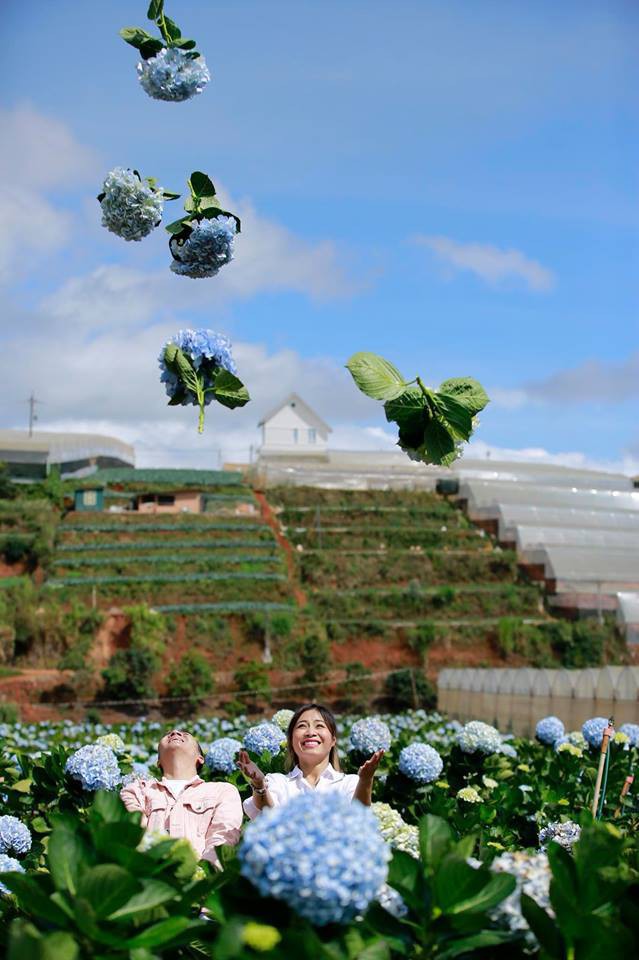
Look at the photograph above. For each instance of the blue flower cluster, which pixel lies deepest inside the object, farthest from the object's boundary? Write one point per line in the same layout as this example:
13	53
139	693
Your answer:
631	730
549	730
9	865
222	753
172	75
321	854
593	731
95	767
14	835
208	247
420	762
369	735
208	352
478	737
130	207
566	834
264	736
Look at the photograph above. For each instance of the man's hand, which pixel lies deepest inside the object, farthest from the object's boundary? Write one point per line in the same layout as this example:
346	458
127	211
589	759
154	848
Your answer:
250	770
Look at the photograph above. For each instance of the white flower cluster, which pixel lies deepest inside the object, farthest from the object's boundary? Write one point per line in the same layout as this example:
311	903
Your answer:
394	829
479	737
532	873
566	834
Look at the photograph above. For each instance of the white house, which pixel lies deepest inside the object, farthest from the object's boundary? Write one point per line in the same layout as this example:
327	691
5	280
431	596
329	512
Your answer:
293	429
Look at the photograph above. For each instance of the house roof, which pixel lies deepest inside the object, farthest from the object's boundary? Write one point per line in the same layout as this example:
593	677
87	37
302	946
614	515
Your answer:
302	408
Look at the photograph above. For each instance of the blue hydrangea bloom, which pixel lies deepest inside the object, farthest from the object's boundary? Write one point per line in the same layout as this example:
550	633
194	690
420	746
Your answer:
95	767
222	753
8	865
420	762
508	751
208	351
593	730
130	207
321	854
172	75
478	737
208	247
369	735
631	730
14	835
264	736
549	729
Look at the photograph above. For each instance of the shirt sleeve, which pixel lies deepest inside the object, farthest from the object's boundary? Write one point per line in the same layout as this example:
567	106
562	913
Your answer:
348	785
226	821
133	796
276	786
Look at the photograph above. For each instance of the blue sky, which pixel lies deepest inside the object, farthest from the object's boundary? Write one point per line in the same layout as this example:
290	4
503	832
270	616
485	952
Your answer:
452	185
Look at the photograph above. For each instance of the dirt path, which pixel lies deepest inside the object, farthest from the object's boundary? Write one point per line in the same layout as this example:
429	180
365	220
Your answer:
270	518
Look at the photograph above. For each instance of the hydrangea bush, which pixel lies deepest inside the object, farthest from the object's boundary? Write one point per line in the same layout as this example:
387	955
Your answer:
321	854
369	735
197	367
565	833
222	753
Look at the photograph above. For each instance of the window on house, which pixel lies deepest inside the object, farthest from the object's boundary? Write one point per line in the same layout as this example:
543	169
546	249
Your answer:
295	435
165	500
312	435
90	498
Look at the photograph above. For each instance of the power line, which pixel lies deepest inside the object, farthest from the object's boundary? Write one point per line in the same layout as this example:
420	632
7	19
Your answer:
32	401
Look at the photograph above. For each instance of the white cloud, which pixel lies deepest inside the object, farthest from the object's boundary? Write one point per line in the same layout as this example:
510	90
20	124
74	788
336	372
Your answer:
491	264
628	463
29	226
591	381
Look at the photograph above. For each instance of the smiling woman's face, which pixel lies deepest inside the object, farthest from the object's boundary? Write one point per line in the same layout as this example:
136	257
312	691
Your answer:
178	741
311	738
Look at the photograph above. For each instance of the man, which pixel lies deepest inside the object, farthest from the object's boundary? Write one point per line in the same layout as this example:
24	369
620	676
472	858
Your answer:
181	804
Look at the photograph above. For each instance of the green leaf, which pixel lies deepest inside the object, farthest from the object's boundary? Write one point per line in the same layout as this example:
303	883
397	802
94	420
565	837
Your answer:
460	888
454	415
467	946
467	391
108	806
405	876
409	412
153	894
172	29
155	9
32	898
435	839
178	225
229	391
160	934
150	48
439	444
107	887
180	364
68	856
544	928
25	941
375	376
184	44
22	786
169	195
135	36
201	184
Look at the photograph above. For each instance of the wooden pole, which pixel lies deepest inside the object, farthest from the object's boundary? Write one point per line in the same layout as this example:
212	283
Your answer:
608	733
624	791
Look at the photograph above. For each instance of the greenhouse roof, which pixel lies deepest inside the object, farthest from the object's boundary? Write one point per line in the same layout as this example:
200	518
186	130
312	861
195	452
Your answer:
176	478
510	516
628	607
529	536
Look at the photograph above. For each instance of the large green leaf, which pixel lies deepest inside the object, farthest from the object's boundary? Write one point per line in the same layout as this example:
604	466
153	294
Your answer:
135	36
467	946
172	28
439	445
162	933
68	856
454	415
107	887
201	184
460	888
467	391
435	839
229	391
409	412
33	898
544	928
405	876
108	807
27	943
155	9
153	894
375	376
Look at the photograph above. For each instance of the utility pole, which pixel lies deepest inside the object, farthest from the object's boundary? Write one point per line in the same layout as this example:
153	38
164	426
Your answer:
33	416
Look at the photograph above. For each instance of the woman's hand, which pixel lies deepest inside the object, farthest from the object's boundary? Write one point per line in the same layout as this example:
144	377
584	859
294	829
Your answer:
368	769
250	770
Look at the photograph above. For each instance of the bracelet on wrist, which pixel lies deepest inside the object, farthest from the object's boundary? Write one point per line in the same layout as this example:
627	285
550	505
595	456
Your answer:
259	791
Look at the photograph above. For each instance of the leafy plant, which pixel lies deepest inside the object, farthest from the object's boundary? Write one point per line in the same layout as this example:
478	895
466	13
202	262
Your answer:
128	675
433	424
170	33
190	678
409	688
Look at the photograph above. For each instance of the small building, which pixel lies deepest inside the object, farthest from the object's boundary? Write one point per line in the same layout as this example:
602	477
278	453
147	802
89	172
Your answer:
177	501
73	454
293	429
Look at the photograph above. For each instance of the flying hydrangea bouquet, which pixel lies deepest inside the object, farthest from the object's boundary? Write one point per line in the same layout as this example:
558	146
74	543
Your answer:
131	206
433	424
171	68
202	240
198	367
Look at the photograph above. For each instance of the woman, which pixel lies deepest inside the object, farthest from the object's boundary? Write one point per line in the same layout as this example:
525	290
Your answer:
312	754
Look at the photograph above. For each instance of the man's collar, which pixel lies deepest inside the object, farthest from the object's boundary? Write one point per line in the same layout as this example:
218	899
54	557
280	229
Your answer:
194	781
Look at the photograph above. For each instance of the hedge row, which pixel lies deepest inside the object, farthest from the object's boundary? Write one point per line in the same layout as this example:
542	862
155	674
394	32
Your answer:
177	591
239	606
160	545
161	578
170	535
169	559
362	536
143	523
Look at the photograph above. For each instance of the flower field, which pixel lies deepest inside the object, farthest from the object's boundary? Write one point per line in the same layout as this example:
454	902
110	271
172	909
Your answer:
477	844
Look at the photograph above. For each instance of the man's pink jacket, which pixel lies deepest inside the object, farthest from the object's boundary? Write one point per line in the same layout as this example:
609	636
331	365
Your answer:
207	814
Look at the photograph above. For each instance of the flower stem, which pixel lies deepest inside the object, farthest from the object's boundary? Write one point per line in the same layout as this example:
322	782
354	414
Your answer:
420	384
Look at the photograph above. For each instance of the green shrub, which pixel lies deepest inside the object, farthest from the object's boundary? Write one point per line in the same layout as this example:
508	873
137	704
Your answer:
191	679
508	634
148	628
315	659
586	647
8	712
129	674
8	489
421	638
358	687
409	688
252	678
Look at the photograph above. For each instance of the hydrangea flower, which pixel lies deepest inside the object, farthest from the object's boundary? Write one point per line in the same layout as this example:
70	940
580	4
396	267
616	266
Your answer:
369	735
566	834
392	901
631	730
549	730
321	854
282	718
172	75
8	865
222	753
264	736
95	767
532	873
469	795
479	737
420	762
407	839
208	247
131	207
565	746
14	835
113	741
390	821
508	751
593	731
260	936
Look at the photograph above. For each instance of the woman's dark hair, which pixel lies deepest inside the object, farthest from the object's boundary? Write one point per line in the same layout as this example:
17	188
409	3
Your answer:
329	720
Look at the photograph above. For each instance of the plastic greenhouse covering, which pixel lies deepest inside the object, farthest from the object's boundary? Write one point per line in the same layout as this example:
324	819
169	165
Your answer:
538	473
511	516
628	615
484	497
528	537
581	569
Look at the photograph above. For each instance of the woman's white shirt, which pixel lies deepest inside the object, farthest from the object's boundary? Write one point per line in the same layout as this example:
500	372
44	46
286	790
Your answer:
282	787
